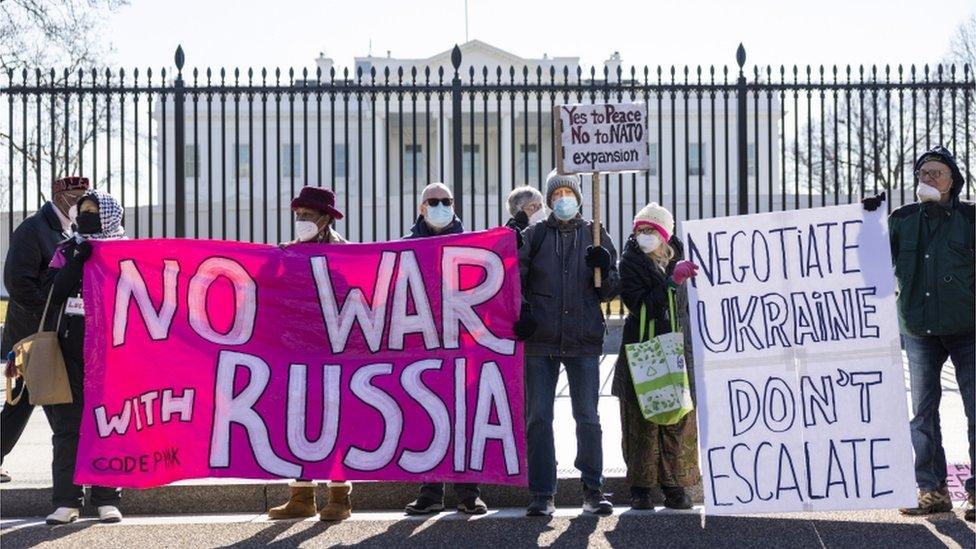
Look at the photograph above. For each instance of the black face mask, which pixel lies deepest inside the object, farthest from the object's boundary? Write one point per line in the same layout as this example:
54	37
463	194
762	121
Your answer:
88	223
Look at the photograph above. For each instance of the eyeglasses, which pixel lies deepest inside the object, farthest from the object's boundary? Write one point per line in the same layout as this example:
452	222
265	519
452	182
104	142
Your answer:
433	202
931	174
645	230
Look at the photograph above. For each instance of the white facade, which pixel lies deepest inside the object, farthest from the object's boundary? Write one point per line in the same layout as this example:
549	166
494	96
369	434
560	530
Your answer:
358	135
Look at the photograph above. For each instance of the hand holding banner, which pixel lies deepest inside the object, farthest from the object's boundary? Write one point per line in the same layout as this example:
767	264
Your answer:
219	359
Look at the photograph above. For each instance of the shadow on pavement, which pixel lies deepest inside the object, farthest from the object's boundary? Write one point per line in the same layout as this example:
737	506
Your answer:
32	535
638	528
954	527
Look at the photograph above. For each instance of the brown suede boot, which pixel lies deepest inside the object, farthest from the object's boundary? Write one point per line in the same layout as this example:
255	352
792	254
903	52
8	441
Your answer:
339	506
300	504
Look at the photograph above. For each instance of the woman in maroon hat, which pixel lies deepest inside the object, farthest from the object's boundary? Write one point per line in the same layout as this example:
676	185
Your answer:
315	211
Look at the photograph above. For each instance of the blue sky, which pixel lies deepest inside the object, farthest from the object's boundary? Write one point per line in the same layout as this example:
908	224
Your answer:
291	33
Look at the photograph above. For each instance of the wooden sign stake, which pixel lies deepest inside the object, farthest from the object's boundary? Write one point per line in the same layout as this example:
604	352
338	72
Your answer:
596	224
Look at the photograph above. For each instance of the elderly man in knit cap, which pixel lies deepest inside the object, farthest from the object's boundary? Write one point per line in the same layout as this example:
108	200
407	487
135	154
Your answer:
562	323
31	248
932	244
315	212
437	218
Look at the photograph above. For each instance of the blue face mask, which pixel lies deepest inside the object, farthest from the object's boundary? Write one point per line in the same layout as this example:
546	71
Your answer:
565	208
440	216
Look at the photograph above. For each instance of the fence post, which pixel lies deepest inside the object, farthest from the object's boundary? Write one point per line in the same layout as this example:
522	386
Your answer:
741	133
456	167
179	127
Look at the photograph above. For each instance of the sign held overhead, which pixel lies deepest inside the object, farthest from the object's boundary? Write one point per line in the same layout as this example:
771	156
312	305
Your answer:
608	137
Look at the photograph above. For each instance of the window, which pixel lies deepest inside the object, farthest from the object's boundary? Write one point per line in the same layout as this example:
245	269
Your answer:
528	156
751	159
413	155
469	154
652	158
697	155
340	160
191	159
291	160
243	161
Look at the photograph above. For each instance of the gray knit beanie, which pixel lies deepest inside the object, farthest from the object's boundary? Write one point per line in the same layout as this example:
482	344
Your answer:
555	181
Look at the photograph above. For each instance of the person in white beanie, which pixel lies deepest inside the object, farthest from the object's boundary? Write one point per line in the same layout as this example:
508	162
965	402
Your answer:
562	324
652	276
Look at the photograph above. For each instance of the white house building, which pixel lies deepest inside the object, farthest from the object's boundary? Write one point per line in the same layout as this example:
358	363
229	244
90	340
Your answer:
376	149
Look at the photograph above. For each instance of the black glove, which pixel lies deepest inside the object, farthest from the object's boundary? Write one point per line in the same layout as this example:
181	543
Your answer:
597	257
80	252
518	237
872	203
526	325
522	219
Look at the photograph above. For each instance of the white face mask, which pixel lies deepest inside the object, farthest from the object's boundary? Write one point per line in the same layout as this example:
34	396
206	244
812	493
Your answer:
440	216
538	216
306	230
648	242
927	193
73	213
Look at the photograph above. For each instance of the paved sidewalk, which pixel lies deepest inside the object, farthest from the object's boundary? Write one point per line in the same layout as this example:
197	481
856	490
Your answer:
508	528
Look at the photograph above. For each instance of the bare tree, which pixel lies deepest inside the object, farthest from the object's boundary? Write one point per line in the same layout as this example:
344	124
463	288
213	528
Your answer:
870	141
36	34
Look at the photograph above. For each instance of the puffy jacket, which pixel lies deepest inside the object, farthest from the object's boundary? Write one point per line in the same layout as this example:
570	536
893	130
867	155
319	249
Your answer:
31	248
642	282
559	289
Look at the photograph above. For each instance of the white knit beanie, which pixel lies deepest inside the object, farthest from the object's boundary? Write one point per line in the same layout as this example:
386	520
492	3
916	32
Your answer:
555	181
658	217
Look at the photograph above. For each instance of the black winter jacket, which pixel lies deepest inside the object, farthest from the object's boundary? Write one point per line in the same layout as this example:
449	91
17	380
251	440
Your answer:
24	272
558	287
642	282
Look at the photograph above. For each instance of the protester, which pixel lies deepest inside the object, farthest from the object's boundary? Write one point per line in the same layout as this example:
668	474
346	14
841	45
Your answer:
99	218
315	212
525	207
437	218
651	267
932	244
31	248
562	323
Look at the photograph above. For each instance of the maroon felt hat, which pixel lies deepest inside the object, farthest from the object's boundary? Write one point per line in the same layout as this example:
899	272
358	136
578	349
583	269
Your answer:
318	199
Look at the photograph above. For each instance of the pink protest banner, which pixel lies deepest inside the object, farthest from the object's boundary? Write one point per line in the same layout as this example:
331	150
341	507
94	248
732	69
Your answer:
392	361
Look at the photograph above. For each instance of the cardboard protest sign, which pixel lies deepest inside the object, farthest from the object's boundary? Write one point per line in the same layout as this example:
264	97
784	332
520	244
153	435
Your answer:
798	368
607	137
392	361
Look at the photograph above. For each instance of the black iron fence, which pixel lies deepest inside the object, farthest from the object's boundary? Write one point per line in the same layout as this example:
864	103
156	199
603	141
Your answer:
218	153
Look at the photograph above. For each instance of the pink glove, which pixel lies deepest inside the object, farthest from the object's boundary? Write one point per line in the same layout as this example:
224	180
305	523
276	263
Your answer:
683	271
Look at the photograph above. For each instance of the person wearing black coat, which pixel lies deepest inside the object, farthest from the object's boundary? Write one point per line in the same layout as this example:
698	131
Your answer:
99	218
651	268
437	218
31	248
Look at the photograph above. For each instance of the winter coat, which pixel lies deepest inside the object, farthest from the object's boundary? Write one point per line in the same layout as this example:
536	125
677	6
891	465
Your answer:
64	282
642	282
932	247
31	248
558	287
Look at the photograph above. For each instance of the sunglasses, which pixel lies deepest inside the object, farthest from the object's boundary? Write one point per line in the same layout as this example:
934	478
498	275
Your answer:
433	202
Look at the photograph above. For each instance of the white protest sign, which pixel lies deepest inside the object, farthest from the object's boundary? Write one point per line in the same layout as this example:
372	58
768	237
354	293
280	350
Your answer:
609	137
798	369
